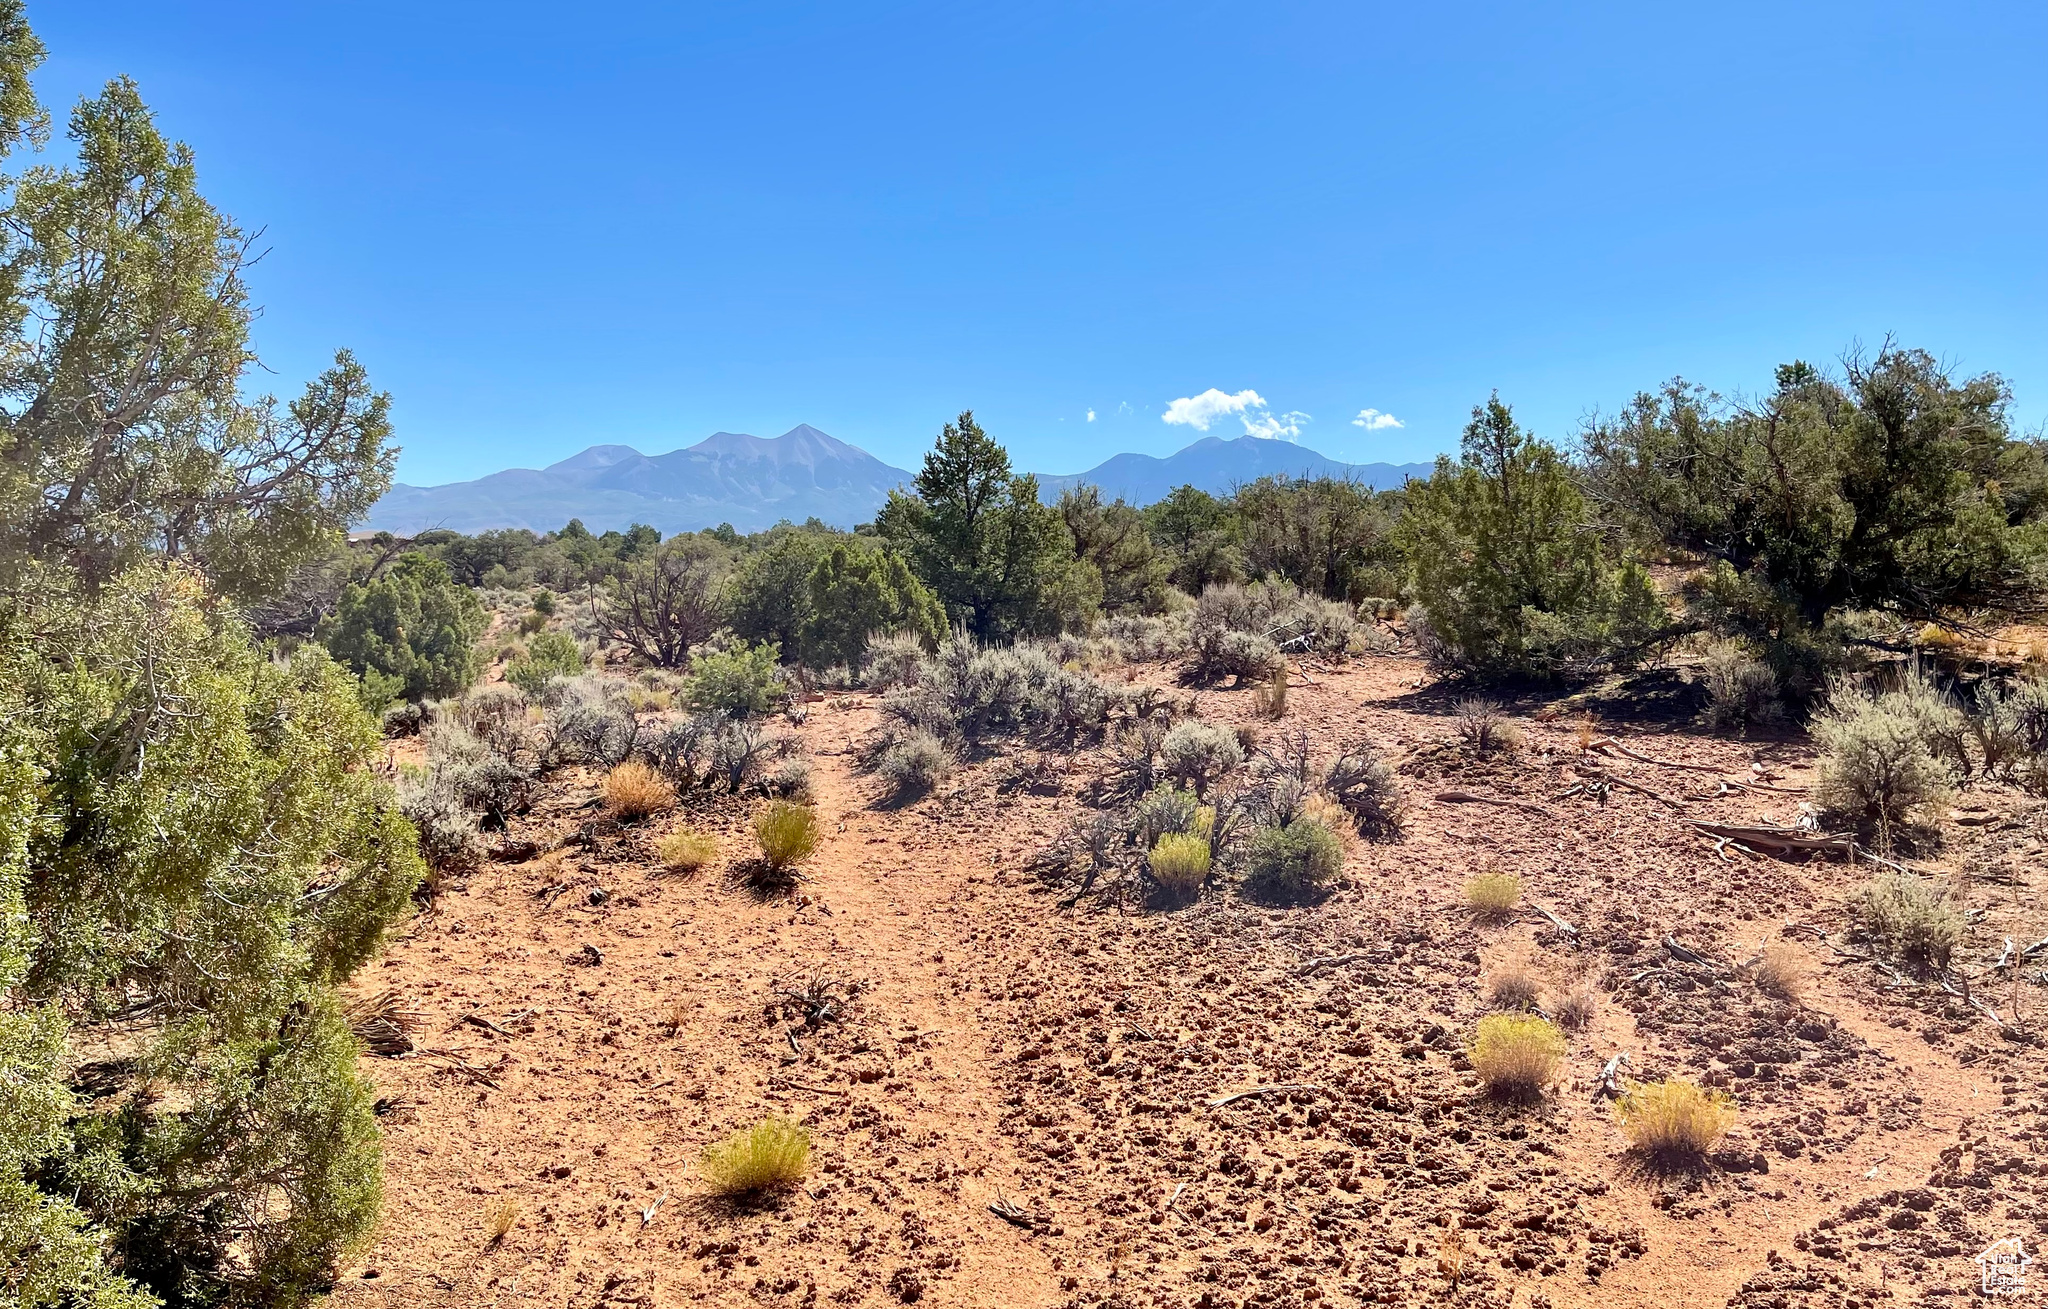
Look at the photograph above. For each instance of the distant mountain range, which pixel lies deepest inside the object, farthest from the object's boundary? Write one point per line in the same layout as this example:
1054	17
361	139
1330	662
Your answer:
754	483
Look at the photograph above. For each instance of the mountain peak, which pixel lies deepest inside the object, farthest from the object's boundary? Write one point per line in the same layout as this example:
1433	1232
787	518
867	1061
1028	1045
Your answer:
593	459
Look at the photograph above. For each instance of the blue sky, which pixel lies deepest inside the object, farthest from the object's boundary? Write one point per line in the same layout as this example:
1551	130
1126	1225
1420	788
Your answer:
546	227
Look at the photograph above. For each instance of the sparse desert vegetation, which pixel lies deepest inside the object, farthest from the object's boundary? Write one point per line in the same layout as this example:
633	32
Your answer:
774	1152
1516	1054
1674	1121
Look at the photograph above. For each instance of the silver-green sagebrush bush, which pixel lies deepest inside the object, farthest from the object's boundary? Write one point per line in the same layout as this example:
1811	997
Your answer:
192	839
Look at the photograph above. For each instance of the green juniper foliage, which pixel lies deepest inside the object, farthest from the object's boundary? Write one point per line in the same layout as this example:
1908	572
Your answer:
411	632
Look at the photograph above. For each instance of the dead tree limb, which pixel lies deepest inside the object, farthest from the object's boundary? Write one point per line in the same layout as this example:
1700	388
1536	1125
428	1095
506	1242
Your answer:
1609	1085
1278	1088
1467	797
1609	743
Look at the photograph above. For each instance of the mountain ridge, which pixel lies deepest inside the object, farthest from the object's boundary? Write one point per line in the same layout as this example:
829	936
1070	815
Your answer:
754	482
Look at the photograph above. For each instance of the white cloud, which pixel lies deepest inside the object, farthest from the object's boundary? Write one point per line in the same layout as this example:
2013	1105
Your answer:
1372	420
1200	411
1091	415
1248	407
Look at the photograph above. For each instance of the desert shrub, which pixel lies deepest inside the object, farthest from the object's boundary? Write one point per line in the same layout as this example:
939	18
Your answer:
1516	1054
1513	985
1742	689
787	834
1292	863
1180	861
1778	973
1146	638
773	1153
738	754
681	750
447	825
1878	767
1134	758
1493	894
1910	918
1271	701
1484	726
1575	1006
685	850
914	763
2010	726
498	717
1674	1121
739	682
792	781
633	791
1364	785
893	660
1071	707
1310	624
859	588
662	605
1167	809
585	720
410	633
548	655
1197	754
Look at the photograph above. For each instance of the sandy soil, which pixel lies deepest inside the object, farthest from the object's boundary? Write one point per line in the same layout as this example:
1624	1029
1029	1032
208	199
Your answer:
1058	1060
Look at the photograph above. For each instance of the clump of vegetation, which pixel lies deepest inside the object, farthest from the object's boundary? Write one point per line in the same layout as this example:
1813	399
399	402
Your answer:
1363	784
1513	985
1878	763
1180	862
1742	690
409	633
1516	1055
685	850
1911	918
1293	863
1196	754
1484	727
549	655
792	781
787	834
738	682
1170	809
500	1220
1777	972
893	660
913	764
1674	1122
1493	894
1272	697
633	791
1574	1007
773	1153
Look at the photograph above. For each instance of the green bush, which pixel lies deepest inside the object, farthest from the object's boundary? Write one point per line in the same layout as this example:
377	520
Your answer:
858	589
1878	763
1197	754
1911	918
550	655
411	632
188	825
1180	861
787	834
1506	568
1293	863
738	682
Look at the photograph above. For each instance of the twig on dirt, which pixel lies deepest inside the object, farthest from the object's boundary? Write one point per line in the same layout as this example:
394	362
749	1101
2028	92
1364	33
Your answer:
1609	779
1014	1214
789	1034
1467	797
1277	1088
1609	1085
1606	743
1687	955
1141	1033
1870	1175
1318	964
1176	1195
1974	1003
815	1090
647	1214
2034	949
454	1063
2004	957
478	1020
1559	923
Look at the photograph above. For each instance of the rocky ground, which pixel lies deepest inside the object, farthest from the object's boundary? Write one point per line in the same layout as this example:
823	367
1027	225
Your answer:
1022	1101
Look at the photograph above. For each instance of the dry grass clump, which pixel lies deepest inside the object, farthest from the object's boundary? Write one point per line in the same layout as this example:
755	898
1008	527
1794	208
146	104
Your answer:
1516	1054
1513	985
1674	1121
686	850
787	833
1271	699
1485	727
1180	861
1493	895
1575	1006
633	791
774	1152
1777	972
1911	918
500	1220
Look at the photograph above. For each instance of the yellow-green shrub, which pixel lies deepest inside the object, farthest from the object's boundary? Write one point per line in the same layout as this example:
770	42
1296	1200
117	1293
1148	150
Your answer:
774	1152
1674	1119
787	833
1516	1054
686	850
1493	895
1180	860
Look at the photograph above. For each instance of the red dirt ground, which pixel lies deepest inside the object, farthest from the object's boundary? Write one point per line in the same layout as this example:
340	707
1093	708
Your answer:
1059	1060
